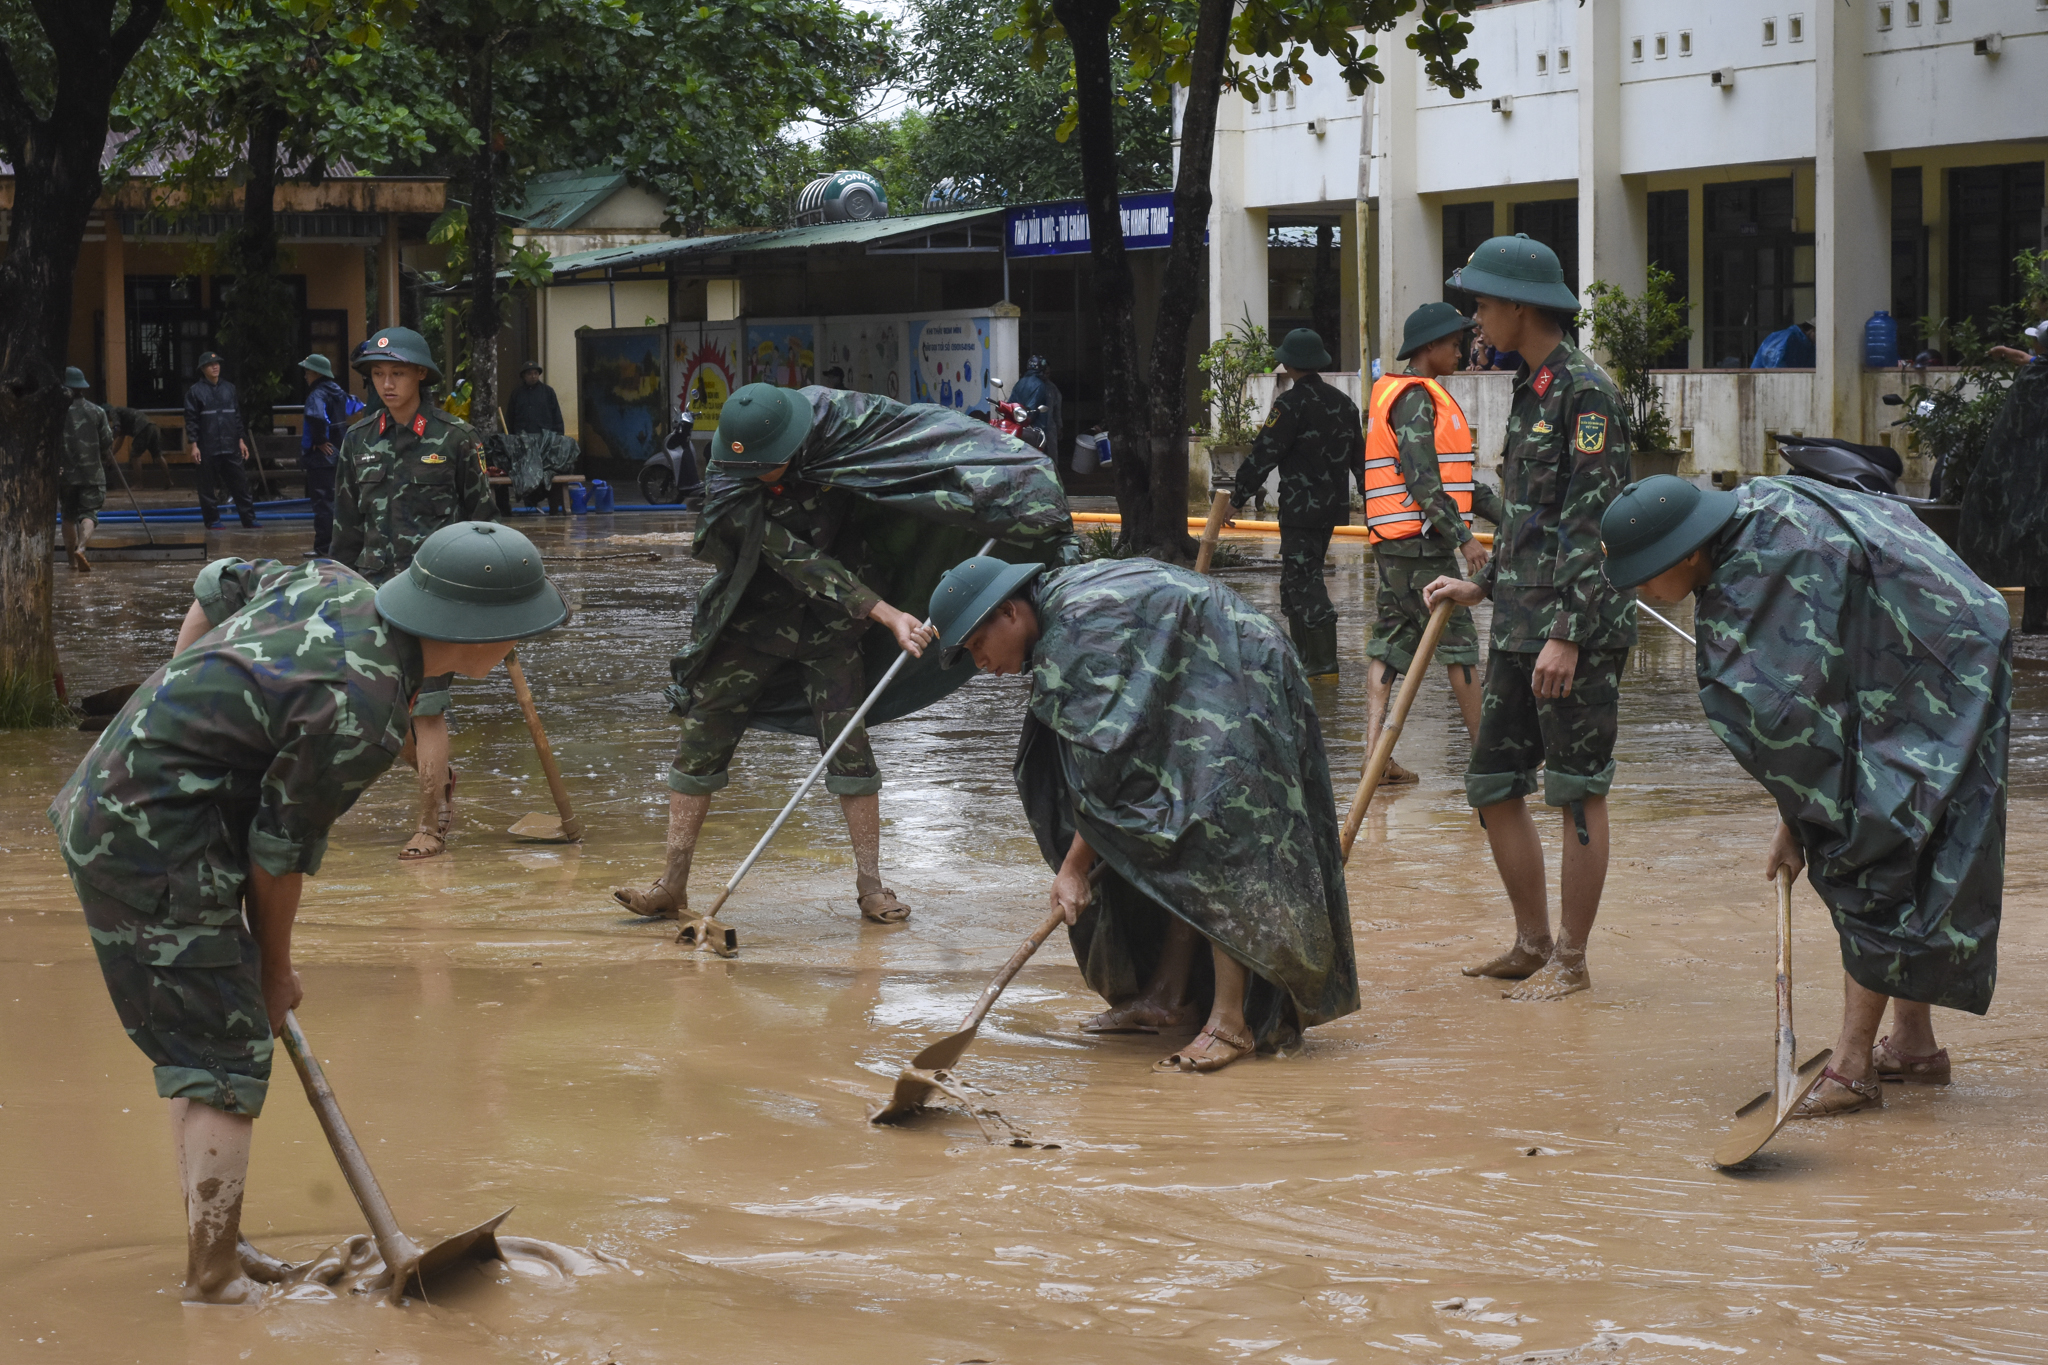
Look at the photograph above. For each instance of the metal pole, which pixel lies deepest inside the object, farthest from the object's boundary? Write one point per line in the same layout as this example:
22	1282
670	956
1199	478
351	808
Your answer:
1674	629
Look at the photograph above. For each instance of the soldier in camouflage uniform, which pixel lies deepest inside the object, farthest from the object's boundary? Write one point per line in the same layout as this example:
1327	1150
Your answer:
209	798
1856	668
145	439
1171	735
405	471
1561	631
1314	437
816	494
1431	343
82	483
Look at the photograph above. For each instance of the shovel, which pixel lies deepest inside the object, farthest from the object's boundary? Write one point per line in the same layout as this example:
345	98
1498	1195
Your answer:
548	829
1764	1115
1397	716
1219	512
408	1263
706	929
125	488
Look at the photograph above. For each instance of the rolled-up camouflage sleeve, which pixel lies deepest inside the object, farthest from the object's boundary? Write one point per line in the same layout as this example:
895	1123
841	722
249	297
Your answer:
225	586
1599	450
1413	417
813	572
310	784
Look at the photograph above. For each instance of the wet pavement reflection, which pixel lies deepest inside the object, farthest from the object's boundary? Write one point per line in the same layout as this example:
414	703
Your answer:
1445	1176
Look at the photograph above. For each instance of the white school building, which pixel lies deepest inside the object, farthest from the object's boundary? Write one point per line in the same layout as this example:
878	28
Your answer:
1785	160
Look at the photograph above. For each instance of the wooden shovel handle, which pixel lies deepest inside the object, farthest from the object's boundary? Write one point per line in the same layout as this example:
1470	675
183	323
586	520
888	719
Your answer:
399	1251
1787	1043
1030	945
570	825
1397	716
1219	512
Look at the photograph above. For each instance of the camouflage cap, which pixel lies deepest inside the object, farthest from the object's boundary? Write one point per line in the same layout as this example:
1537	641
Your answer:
759	428
471	583
1519	269
969	594
1656	523
398	343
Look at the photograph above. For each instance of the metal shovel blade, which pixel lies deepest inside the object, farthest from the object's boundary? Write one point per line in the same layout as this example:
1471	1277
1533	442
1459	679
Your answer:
925	1074
480	1243
1759	1120
544	829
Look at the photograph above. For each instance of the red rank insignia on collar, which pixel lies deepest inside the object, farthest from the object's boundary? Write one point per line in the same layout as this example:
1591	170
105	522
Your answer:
776	490
419	420
383	421
1542	381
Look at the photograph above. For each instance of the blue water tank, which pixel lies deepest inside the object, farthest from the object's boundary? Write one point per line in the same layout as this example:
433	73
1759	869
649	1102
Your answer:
1881	341
579	499
600	496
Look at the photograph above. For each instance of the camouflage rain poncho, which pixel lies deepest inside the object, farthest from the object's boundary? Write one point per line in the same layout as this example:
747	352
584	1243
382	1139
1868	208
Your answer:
2004	519
533	460
1859	671
933	485
1172	723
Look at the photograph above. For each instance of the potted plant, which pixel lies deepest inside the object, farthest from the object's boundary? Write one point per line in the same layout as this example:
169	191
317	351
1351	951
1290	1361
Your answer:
1232	361
1634	333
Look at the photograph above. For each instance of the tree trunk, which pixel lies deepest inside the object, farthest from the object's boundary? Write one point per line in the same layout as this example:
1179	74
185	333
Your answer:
485	316
56	160
259	318
1186	257
1088	24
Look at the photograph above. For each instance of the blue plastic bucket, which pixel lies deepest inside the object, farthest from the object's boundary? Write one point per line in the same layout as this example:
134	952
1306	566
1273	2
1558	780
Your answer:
600	496
579	499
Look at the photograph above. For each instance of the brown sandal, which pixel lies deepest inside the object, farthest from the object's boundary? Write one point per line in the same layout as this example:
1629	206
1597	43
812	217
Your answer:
882	907
414	852
1846	1098
1892	1065
644	905
1185	1062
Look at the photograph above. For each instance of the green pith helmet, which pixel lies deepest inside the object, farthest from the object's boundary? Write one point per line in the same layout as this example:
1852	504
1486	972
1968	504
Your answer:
74	378
471	583
1656	523
1519	269
1431	322
1302	349
318	364
759	428
398	343
969	594
210	358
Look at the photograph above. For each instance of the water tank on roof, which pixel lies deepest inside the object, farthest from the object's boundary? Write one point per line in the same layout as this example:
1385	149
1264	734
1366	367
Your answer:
843	197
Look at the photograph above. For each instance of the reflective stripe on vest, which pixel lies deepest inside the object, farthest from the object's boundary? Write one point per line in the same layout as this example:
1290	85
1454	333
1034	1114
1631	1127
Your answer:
1390	513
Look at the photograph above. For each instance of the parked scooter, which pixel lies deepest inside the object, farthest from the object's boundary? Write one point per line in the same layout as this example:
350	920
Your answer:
1013	419
670	474
1864	469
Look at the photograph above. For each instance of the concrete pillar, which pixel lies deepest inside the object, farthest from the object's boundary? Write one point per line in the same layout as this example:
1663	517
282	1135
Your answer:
388	273
1238	272
1614	226
1345	343
1852	223
114	308
1410	231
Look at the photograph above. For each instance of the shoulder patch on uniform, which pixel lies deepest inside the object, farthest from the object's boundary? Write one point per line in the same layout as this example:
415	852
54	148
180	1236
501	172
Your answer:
1271	418
1592	437
1542	380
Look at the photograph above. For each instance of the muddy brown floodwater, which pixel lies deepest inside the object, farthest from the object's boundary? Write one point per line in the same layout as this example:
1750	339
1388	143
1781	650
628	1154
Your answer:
1444	1176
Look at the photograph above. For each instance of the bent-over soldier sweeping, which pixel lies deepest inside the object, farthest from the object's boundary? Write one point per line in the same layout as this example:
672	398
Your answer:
1420	497
1171	734
823	503
1856	668
191	826
405	471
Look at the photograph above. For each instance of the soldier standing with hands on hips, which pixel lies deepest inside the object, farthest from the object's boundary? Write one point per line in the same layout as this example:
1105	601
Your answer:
1313	435
406	471
1419	499
1561	631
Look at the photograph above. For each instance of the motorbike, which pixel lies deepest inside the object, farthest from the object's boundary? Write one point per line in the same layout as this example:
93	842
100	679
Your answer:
1013	419
1864	469
670	474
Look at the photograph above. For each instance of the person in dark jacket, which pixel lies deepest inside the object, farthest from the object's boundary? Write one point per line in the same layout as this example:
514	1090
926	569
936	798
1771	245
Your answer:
1036	391
319	438
1315	437
534	407
214	437
145	439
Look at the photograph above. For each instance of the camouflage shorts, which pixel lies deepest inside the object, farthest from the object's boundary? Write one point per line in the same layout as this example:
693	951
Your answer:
1303	594
202	1020
1571	738
722	699
79	500
1397	629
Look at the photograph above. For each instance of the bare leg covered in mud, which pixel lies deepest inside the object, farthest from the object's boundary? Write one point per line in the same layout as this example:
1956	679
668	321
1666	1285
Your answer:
1549	970
668	897
437	789
213	1167
878	904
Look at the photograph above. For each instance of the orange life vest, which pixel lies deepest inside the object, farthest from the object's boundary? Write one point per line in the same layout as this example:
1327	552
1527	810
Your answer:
1390	513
